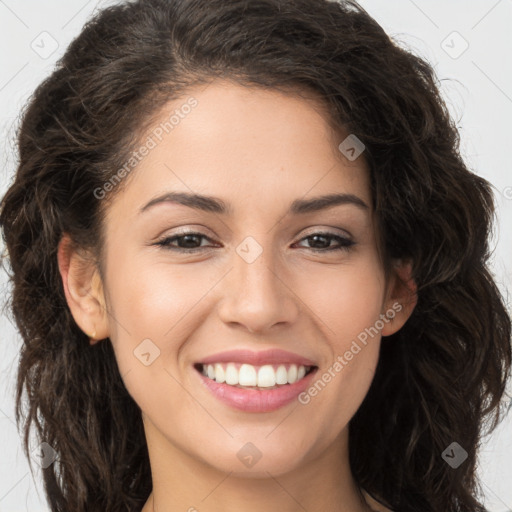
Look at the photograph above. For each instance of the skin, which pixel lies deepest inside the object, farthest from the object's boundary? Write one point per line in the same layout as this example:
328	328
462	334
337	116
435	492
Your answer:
258	150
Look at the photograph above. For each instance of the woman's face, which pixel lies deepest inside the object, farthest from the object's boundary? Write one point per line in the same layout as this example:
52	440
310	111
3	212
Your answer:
254	299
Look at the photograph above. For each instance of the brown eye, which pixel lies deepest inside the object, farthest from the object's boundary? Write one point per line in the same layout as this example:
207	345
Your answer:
321	242
186	242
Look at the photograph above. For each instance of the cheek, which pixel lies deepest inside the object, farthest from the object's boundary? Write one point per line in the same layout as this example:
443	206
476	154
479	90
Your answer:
153	309
349	311
157	302
347	301
150	299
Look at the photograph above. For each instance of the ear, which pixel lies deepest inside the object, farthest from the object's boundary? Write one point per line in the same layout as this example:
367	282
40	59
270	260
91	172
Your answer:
83	289
401	297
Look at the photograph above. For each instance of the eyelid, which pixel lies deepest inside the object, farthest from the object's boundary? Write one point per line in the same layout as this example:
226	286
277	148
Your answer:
191	229
328	230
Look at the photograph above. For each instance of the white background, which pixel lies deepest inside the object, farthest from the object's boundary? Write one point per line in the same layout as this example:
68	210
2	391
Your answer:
476	82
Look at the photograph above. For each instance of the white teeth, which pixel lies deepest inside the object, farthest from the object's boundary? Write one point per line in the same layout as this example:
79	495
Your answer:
266	376
247	375
220	374
231	374
292	374
281	375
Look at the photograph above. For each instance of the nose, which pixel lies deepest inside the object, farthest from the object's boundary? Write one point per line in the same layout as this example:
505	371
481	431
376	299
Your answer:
257	296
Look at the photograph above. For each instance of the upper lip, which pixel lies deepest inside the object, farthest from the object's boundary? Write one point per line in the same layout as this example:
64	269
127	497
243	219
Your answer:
257	358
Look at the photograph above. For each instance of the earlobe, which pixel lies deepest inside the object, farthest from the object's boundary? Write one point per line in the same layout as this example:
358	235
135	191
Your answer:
401	298
83	290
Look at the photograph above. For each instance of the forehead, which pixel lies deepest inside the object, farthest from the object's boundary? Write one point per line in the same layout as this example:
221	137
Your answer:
260	147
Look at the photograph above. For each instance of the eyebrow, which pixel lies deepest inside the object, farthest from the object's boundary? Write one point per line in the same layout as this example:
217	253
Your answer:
216	205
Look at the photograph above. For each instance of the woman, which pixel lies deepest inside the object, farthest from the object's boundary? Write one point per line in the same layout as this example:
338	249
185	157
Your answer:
250	268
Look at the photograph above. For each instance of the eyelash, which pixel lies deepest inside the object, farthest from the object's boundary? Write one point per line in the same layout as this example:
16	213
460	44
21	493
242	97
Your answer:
345	243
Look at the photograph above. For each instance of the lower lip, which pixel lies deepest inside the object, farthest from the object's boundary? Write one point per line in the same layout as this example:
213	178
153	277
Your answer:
257	400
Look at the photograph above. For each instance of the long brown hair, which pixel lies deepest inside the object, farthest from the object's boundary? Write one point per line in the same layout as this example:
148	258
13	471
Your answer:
439	379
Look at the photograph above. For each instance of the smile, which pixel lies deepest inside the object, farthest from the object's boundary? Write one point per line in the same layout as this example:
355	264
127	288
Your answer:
256	381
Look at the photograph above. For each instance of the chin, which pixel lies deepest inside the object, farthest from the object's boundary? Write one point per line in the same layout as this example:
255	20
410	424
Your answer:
257	458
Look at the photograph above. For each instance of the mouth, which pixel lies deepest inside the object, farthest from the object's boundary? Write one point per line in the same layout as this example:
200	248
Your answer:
255	382
248	376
